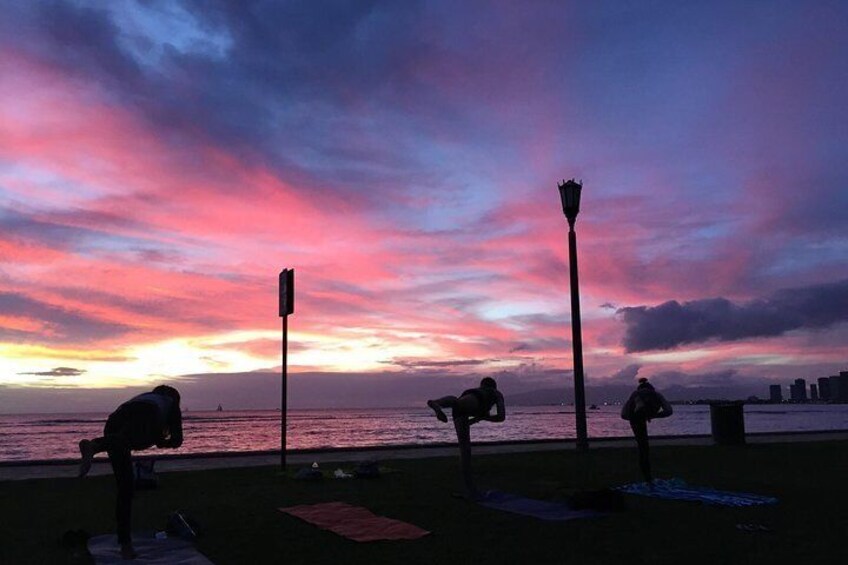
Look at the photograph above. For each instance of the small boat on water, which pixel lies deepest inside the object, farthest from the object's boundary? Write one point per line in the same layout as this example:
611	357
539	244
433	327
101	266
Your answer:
593	407
220	408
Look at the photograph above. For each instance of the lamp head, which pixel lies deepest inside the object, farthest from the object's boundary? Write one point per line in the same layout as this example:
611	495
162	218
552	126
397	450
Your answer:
569	192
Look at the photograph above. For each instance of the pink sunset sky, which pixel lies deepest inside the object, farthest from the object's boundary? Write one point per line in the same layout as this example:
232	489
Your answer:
160	162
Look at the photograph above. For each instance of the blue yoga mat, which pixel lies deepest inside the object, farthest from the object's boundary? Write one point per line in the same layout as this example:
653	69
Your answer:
676	489
151	551
541	509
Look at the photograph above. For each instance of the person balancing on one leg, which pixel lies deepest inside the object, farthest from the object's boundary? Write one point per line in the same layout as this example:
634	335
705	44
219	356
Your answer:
644	405
472	406
152	418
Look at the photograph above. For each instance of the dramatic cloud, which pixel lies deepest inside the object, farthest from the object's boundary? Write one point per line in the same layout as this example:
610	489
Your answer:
161	161
672	324
49	323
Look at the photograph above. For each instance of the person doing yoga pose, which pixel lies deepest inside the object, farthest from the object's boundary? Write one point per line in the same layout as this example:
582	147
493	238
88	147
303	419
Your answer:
644	405
472	406
152	418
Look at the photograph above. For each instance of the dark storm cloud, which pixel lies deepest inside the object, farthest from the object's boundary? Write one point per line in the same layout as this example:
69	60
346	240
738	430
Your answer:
62	326
672	324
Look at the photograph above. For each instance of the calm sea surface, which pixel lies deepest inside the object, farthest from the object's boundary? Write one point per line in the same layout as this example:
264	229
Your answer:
55	436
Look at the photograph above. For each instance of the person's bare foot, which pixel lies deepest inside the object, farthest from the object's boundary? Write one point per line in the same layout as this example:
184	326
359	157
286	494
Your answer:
128	552
438	410
87	452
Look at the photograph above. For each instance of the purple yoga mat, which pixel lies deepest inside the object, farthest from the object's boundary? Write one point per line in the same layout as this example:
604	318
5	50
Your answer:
541	509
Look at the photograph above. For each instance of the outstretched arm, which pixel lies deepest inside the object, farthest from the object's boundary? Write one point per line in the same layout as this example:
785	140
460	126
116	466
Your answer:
665	408
175	429
498	416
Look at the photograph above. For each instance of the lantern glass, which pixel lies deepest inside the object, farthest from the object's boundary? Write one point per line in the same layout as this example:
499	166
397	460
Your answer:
569	193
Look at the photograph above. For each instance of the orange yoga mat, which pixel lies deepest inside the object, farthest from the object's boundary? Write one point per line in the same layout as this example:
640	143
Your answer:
354	522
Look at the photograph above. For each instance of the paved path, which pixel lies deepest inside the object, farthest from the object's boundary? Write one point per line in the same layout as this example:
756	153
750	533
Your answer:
11	471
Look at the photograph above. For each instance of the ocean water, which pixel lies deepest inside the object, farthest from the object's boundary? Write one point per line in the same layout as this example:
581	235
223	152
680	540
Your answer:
55	436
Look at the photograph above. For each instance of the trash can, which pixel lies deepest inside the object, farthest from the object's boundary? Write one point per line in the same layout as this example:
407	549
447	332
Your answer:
728	423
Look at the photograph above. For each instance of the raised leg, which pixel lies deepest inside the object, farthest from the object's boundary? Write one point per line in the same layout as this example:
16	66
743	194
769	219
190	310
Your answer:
438	404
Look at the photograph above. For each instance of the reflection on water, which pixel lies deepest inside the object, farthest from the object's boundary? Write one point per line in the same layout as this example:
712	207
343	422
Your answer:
55	436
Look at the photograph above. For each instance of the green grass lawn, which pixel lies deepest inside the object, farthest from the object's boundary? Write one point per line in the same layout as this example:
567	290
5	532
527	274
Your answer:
237	509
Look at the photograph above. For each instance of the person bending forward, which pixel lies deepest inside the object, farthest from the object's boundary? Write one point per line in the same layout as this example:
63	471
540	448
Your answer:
152	418
472	406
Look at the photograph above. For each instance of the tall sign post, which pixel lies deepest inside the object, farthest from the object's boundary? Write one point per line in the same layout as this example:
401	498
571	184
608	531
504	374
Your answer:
286	308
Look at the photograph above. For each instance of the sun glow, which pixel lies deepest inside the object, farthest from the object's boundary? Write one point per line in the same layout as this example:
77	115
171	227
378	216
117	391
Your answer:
355	350
230	352
32	365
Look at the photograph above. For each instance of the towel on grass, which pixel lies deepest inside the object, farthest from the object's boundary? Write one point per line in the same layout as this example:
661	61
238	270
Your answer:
676	489
541	509
354	522
151	551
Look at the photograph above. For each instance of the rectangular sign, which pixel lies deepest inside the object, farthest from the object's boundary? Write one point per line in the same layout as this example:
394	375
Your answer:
286	292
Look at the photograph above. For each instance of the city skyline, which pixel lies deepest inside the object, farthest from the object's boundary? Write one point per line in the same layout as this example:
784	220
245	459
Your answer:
160	163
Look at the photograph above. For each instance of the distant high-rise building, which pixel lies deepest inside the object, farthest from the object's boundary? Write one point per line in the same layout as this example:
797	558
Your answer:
775	394
824	388
798	390
841	394
814	393
833	384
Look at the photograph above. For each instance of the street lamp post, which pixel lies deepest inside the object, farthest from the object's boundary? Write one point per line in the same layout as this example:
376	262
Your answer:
570	194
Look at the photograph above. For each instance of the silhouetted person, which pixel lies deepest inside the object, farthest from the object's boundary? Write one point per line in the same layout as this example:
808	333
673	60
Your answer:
149	419
644	405
472	406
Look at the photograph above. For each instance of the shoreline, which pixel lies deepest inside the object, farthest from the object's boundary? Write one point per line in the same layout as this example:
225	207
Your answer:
66	468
